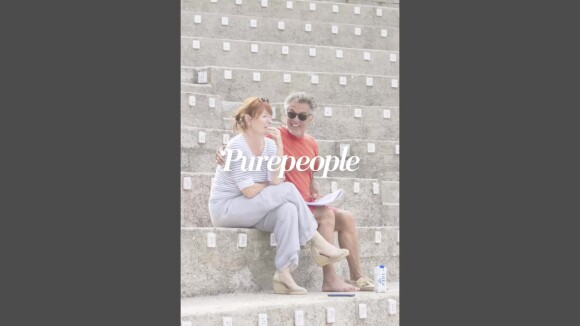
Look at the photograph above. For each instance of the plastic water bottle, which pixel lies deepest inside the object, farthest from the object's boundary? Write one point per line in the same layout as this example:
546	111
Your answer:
381	279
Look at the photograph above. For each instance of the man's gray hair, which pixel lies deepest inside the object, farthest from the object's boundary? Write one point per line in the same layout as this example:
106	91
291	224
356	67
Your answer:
299	97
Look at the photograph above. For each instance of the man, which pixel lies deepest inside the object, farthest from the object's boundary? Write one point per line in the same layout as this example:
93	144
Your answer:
297	143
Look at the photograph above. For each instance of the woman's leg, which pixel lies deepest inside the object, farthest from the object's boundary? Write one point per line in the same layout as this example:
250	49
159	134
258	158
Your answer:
283	221
303	230
246	212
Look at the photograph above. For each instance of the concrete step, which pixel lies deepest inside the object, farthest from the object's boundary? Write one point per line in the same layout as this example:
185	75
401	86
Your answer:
236	84
383	3
203	111
294	31
210	52
378	158
245	309
374	122
369	209
226	268
199	156
194	87
382	164
366	14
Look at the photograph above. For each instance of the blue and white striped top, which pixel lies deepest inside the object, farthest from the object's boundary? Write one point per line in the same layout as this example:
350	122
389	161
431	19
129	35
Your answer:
228	184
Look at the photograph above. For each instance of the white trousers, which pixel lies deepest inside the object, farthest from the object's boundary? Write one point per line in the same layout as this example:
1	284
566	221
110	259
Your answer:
279	209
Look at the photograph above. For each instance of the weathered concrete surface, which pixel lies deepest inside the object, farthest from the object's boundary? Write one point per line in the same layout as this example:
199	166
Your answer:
328	89
301	11
229	269
238	28
280	309
211	53
369	209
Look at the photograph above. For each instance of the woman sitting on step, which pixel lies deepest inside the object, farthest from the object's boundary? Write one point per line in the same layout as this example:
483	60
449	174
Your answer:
258	198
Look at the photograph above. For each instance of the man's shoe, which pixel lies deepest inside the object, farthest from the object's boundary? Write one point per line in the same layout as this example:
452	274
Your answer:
363	283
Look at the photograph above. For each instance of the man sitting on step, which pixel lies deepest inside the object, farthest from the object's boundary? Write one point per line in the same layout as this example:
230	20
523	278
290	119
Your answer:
297	143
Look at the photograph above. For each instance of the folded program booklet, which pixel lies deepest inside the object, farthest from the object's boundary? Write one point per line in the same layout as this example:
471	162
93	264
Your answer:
327	199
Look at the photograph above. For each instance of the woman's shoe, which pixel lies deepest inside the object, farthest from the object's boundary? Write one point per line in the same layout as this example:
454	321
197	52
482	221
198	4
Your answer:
323	260
318	245
281	288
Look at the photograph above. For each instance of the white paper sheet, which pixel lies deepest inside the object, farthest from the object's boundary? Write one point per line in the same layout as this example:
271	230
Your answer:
328	199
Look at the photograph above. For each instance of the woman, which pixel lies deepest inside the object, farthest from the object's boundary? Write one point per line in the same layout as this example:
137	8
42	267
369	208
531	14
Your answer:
258	198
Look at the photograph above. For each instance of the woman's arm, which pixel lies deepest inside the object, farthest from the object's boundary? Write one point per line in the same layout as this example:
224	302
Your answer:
275	174
242	177
254	189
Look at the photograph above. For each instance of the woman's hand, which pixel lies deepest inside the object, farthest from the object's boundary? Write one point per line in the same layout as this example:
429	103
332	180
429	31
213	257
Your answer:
254	189
276	135
274	132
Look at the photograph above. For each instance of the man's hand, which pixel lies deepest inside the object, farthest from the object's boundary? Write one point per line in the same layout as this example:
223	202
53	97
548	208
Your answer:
314	190
220	156
315	197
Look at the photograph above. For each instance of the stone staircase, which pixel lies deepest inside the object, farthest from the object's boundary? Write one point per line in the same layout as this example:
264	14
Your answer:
345	54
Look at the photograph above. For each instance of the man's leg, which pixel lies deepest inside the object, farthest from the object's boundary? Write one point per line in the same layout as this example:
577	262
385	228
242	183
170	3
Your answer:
326	224
348	238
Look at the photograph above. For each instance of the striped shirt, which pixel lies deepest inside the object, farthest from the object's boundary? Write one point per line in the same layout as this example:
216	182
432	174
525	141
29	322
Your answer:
228	184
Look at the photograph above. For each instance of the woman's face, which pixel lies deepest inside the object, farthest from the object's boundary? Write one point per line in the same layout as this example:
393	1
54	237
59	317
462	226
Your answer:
260	123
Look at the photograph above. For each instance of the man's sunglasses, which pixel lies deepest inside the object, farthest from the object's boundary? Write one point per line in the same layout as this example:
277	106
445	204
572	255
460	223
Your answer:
302	116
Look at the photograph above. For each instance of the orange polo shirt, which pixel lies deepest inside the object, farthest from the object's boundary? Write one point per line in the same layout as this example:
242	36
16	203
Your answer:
298	147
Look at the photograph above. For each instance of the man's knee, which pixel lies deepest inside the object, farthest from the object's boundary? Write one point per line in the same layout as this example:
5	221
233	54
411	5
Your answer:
345	221
324	216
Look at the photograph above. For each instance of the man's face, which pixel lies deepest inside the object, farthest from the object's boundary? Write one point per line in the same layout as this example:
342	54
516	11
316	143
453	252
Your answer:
296	126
